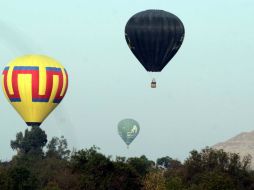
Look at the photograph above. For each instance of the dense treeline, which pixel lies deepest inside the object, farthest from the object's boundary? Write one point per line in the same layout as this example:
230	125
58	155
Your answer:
43	165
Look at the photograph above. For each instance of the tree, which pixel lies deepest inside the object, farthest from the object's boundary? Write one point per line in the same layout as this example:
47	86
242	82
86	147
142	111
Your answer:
98	172
174	183
154	180
167	162
32	142
142	165
51	186
21	178
124	177
57	171
4	178
58	147
94	168
120	159
216	169
216	180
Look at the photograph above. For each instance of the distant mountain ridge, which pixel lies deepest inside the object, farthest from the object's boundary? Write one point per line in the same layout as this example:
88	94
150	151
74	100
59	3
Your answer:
242	144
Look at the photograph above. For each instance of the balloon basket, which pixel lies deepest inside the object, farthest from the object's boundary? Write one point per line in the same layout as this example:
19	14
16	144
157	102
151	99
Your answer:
153	84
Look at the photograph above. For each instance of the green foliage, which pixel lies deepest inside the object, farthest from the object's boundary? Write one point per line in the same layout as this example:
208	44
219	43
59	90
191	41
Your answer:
93	168
124	177
167	162
58	147
216	181
120	159
174	183
99	172
32	142
142	164
216	169
21	179
4	178
154	180
52	186
55	169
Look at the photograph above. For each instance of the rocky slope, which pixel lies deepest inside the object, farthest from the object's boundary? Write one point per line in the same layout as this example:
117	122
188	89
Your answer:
242	144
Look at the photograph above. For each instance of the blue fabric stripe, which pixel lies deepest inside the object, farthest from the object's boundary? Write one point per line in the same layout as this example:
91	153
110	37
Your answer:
53	69
15	99
6	68
40	99
57	101
26	68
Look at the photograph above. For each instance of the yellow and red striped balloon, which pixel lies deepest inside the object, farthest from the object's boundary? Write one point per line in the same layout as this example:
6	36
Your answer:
34	85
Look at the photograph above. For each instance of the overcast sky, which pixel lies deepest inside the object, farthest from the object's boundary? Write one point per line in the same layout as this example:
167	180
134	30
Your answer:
205	94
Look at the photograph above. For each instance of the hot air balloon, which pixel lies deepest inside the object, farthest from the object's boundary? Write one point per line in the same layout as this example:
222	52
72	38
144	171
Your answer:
154	37
128	129
34	86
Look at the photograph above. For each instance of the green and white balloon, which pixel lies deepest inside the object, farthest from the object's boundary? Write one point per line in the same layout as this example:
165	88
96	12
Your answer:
128	129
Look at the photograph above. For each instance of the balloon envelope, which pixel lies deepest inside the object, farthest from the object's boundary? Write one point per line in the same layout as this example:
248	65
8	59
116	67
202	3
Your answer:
154	37
128	129
34	85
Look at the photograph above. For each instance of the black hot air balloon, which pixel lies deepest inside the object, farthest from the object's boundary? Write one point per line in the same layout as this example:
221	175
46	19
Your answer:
154	37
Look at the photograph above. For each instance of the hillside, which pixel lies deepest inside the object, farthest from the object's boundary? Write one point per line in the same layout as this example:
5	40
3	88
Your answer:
242	144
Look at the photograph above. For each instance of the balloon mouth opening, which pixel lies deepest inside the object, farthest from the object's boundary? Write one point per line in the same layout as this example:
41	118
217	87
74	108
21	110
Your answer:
154	71
33	124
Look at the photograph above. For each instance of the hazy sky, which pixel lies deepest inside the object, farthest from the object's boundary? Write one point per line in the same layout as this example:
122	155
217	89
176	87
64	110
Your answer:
205	94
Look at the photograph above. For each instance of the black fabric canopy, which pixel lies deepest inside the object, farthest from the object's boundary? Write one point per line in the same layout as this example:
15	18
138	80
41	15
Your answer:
154	37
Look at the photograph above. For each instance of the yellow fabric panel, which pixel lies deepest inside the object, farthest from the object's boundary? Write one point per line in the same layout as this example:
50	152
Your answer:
42	78
9	80
64	82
